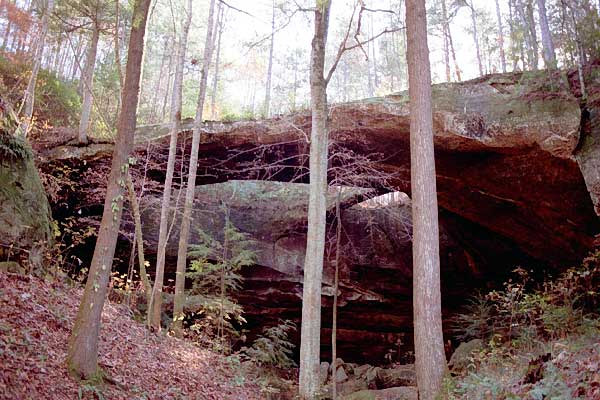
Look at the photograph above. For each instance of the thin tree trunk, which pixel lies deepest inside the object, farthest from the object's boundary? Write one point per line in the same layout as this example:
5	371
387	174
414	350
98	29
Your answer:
88	83
429	347
139	238
446	45
117	45
184	235
533	34
450	41
82	359
338	237
29	96
476	37
76	58
157	85
168	91
547	42
310	335
501	36
267	107
220	26
6	35
166	201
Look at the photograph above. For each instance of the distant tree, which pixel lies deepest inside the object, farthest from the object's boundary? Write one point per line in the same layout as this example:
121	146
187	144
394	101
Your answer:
82	359
184	233
501	36
29	96
163	235
547	42
429	346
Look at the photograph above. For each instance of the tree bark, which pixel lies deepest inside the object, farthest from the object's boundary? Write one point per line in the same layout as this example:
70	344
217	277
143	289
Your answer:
475	37
429	347
29	96
501	37
184	235
88	83
530	25
82	359
139	238
338	237
166	200
220	27
267	107
310	335
547	42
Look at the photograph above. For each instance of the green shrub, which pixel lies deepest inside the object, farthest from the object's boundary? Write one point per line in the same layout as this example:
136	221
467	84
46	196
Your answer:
215	275
56	102
273	347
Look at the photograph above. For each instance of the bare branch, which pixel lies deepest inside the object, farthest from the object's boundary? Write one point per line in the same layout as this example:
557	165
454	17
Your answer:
235	8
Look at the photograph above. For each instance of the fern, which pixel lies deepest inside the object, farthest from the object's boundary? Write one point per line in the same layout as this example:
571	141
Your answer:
273	347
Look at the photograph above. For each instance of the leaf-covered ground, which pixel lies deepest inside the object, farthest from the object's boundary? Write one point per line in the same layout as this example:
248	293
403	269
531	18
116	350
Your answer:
36	318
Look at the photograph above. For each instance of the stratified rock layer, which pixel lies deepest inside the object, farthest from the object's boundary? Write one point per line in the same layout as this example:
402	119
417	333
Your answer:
509	188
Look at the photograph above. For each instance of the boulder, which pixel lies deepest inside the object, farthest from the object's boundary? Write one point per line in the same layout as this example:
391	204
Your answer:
25	216
401	375
397	393
461	358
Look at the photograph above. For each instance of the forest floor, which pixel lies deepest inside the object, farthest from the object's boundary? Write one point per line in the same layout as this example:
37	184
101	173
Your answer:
35	323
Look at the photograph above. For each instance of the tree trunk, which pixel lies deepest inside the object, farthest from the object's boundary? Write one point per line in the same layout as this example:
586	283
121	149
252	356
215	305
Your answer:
549	54
6	35
513	45
530	25
310	335
267	106
166	200
446	43
451	41
82	359
139	238
338	237
88	83
220	26
184	235
501	37
117	45
475	37
429	346
29	96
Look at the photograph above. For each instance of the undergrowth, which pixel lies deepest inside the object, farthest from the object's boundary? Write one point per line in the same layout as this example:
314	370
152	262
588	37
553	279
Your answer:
539	341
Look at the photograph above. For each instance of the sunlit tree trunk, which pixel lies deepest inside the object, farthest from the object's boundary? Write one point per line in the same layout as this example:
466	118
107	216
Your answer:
310	335
429	347
220	27
139	238
184	235
267	106
166	200
338	237
450	40
476	37
530	25
500	37
82	359
29	96
547	42
88	83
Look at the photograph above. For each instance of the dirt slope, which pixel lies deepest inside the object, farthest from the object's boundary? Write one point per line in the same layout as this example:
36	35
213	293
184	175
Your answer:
35	322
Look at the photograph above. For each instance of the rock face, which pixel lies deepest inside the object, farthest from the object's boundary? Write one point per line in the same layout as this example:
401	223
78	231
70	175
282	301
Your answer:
504	157
375	312
509	188
25	214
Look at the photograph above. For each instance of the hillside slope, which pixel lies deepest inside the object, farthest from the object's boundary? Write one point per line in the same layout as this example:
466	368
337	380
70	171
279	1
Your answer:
35	324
